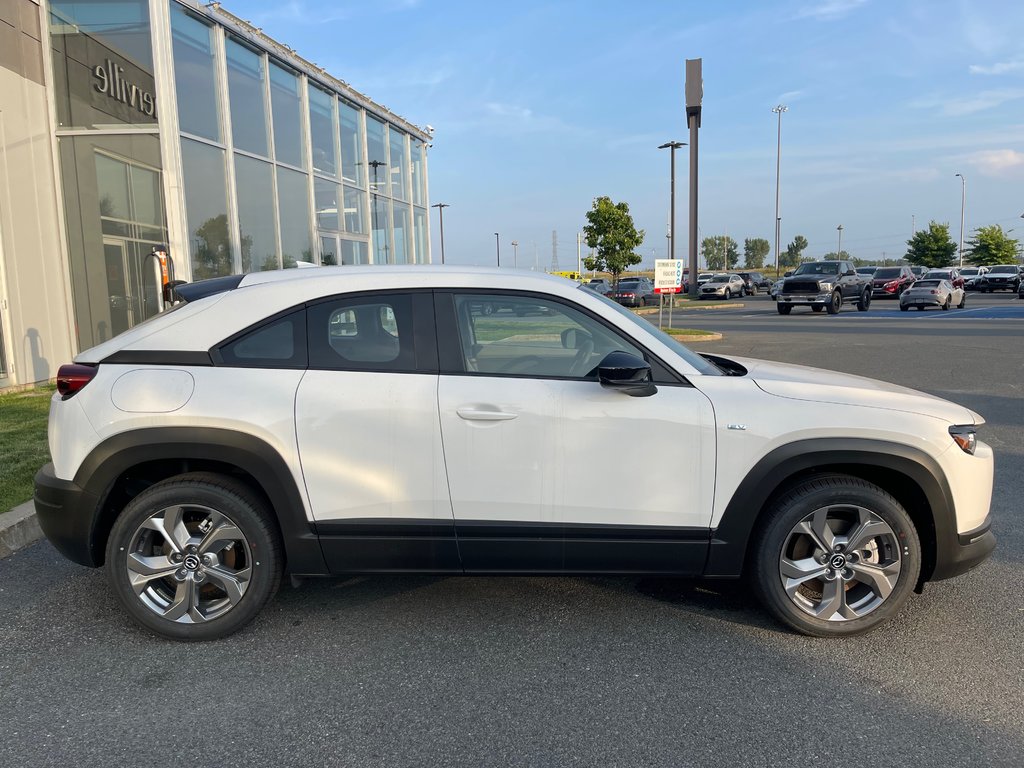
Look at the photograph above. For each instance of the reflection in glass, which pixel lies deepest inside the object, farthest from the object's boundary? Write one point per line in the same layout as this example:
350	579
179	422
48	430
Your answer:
401	221
287	113
147	199
419	228
328	251
399	164
419	196
206	209
321	128
246	74
376	153
293	209
352	169
194	78
112	183
379	214
354	252
255	191
325	198
355	211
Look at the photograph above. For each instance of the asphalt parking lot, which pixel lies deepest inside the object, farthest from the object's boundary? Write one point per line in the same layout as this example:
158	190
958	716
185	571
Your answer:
420	671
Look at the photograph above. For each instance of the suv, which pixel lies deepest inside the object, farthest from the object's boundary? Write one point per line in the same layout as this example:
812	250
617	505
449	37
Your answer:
1001	277
891	282
753	282
824	285
336	421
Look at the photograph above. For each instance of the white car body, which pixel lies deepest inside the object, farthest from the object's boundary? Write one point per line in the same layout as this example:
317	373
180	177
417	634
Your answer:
437	447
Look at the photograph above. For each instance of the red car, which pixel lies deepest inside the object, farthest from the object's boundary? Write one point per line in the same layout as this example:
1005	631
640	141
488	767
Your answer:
891	282
949	273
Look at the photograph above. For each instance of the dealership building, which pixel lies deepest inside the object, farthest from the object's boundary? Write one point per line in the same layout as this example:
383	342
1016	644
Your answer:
126	125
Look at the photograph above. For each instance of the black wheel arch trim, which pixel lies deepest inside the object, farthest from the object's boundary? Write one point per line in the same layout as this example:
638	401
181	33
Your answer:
119	453
730	539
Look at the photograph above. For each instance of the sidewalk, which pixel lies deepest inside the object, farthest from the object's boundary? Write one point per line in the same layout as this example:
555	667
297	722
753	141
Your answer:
18	529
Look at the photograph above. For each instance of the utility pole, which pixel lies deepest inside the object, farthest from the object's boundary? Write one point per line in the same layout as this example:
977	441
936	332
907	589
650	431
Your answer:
497	248
672	146
579	254
515	254
694	91
440	212
839	253
778	109
913	225
963	205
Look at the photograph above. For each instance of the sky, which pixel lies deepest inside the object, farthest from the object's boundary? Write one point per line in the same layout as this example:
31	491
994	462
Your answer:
539	107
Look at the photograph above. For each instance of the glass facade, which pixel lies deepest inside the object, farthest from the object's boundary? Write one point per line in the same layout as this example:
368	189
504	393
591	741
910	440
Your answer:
278	163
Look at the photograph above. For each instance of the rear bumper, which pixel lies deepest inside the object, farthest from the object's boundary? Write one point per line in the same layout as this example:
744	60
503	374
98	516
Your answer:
66	514
963	551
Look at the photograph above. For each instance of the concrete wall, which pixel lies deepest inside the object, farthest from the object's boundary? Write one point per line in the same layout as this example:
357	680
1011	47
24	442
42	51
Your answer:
35	303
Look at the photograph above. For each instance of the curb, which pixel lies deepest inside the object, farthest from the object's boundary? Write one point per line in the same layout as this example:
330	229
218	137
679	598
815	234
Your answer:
688	307
18	529
681	337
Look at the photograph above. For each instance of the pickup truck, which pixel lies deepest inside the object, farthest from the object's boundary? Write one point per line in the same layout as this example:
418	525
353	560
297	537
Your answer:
824	285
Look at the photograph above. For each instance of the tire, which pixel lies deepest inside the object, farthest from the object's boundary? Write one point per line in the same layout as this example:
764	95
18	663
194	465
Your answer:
866	584
963	301
865	301
817	307
728	294
834	305
643	301
784	309
904	307
920	307
945	305
179	578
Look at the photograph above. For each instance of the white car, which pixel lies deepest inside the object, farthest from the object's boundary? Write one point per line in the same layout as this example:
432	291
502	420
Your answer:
334	421
932	292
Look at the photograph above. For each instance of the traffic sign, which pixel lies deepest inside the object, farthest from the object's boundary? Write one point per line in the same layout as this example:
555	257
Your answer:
668	275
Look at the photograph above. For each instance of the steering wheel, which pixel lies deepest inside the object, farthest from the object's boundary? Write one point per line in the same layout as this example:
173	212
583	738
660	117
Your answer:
581	362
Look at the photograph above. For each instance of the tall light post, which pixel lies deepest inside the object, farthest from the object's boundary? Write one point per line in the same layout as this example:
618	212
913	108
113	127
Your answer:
497	248
778	109
672	146
440	212
963	206
515	254
839	253
375	164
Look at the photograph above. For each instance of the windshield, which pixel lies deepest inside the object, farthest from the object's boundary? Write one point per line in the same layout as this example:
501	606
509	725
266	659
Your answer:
818	268
970	271
695	360
939	275
720	279
1003	270
888	272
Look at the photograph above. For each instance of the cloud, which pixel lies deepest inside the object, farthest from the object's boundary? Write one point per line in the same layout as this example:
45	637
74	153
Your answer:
999	68
789	96
828	10
508	111
979	102
997	162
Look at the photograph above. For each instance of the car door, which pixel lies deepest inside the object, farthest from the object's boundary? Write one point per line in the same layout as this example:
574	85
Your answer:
366	423
550	472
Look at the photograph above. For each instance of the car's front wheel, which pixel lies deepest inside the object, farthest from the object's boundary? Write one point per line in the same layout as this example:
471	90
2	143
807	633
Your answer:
195	557
784	309
835	556
836	302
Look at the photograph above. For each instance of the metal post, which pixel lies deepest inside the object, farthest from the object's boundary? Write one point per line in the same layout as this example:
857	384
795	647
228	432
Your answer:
440	212
497	248
579	254
672	146
694	95
515	254
839	253
963	205
778	109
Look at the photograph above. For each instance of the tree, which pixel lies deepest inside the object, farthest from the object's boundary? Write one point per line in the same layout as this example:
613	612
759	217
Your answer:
212	257
990	245
717	249
841	256
793	251
931	247
754	251
610	230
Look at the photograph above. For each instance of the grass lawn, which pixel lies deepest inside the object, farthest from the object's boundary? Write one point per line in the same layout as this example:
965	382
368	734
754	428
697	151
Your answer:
688	332
23	448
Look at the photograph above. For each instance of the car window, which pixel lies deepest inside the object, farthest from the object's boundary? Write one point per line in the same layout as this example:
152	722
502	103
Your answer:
817	269
888	273
280	343
362	333
928	283
526	336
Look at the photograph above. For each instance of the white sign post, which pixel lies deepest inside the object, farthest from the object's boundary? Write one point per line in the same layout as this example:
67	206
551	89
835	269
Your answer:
668	278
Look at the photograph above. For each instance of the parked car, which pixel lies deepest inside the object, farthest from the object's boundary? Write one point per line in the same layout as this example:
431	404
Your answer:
754	282
722	286
773	292
205	455
635	292
933	293
703	277
868	271
1001	277
972	277
890	282
824	285
949	273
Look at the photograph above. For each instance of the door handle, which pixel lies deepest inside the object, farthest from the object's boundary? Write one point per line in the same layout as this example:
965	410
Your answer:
475	414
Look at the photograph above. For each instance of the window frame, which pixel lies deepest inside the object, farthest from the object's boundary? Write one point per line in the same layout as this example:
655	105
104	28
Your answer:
299	360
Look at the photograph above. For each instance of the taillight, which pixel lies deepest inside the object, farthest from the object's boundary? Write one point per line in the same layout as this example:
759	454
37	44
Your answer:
933	291
72	377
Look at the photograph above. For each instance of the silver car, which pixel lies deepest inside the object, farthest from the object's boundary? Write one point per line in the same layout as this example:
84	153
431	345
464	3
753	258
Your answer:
722	286
932	293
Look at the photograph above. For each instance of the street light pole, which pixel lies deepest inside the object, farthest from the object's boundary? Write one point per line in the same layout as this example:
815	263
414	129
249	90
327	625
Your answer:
497	248
440	212
778	109
963	205
839	253
515	254
672	146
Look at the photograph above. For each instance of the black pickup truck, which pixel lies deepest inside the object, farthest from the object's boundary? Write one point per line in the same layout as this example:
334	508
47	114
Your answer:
824	285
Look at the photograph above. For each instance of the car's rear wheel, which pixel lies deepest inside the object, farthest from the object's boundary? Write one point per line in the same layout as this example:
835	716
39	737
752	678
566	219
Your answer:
963	301
784	309
904	307
195	557
945	304
835	556
836	302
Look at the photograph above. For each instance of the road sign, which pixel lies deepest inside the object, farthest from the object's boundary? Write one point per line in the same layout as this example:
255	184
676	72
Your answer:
668	275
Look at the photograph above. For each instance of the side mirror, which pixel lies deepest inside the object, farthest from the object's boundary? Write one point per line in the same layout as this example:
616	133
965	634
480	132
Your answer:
788	274
627	373
850	273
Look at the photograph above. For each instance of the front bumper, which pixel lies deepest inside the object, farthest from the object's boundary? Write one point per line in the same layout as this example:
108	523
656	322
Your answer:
881	293
67	515
962	552
805	298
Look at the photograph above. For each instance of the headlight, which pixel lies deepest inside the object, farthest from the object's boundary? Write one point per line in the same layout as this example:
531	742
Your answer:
964	436
824	286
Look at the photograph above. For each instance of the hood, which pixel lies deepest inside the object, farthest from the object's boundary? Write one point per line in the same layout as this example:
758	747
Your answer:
800	382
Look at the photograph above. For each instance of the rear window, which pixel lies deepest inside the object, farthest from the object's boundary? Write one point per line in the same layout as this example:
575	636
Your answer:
928	283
